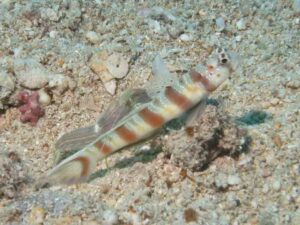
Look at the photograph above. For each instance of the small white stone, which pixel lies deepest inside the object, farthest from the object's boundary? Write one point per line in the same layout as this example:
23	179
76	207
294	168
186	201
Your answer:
265	189
117	65
53	34
7	85
220	22
276	185
186	37
238	38
240	24
295	192
59	83
92	37
155	26
111	86
254	204
51	14
233	180
44	98
110	217
30	73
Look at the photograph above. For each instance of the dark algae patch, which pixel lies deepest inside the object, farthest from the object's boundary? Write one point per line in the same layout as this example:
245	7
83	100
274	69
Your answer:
253	118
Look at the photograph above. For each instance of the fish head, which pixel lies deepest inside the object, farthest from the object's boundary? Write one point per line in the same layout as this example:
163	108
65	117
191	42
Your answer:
219	67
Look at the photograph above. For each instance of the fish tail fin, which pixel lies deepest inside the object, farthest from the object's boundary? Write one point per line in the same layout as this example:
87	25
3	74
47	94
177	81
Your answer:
75	169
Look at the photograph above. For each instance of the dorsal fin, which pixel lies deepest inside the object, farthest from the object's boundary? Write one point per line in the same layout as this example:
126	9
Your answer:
161	77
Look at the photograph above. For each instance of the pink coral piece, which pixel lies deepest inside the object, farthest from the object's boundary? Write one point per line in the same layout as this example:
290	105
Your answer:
31	110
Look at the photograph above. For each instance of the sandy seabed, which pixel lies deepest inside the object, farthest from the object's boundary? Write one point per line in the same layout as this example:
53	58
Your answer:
142	184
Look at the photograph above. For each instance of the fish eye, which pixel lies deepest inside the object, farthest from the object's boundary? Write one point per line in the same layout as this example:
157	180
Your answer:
224	60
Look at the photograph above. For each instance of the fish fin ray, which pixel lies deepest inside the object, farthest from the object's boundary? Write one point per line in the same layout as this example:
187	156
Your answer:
194	113
161	77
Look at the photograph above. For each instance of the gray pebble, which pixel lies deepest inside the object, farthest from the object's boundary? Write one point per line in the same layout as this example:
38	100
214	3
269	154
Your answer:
232	201
186	37
295	192
50	14
238	38
234	180
155	26
92	37
53	34
220	22
30	73
221	181
276	185
265	189
240	24
110	217
7	85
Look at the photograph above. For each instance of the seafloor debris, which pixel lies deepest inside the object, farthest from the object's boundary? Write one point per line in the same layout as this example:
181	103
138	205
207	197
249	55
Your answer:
30	108
253	118
12	175
108	68
44	98
30	73
7	86
212	135
33	75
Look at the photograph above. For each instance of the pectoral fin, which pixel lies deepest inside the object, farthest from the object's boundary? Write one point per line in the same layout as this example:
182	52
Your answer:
194	113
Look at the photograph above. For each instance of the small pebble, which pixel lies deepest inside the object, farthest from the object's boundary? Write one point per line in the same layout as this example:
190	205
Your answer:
220	22
276	185
254	204
117	65
274	101
109	66
238	38
295	192
110	217
265	189
232	201
44	98
190	215
92	37
221	182
186	37
60	83
155	26
53	34
50	14
297	168
30	73
7	85
287	218
233	180
111	86
240	24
